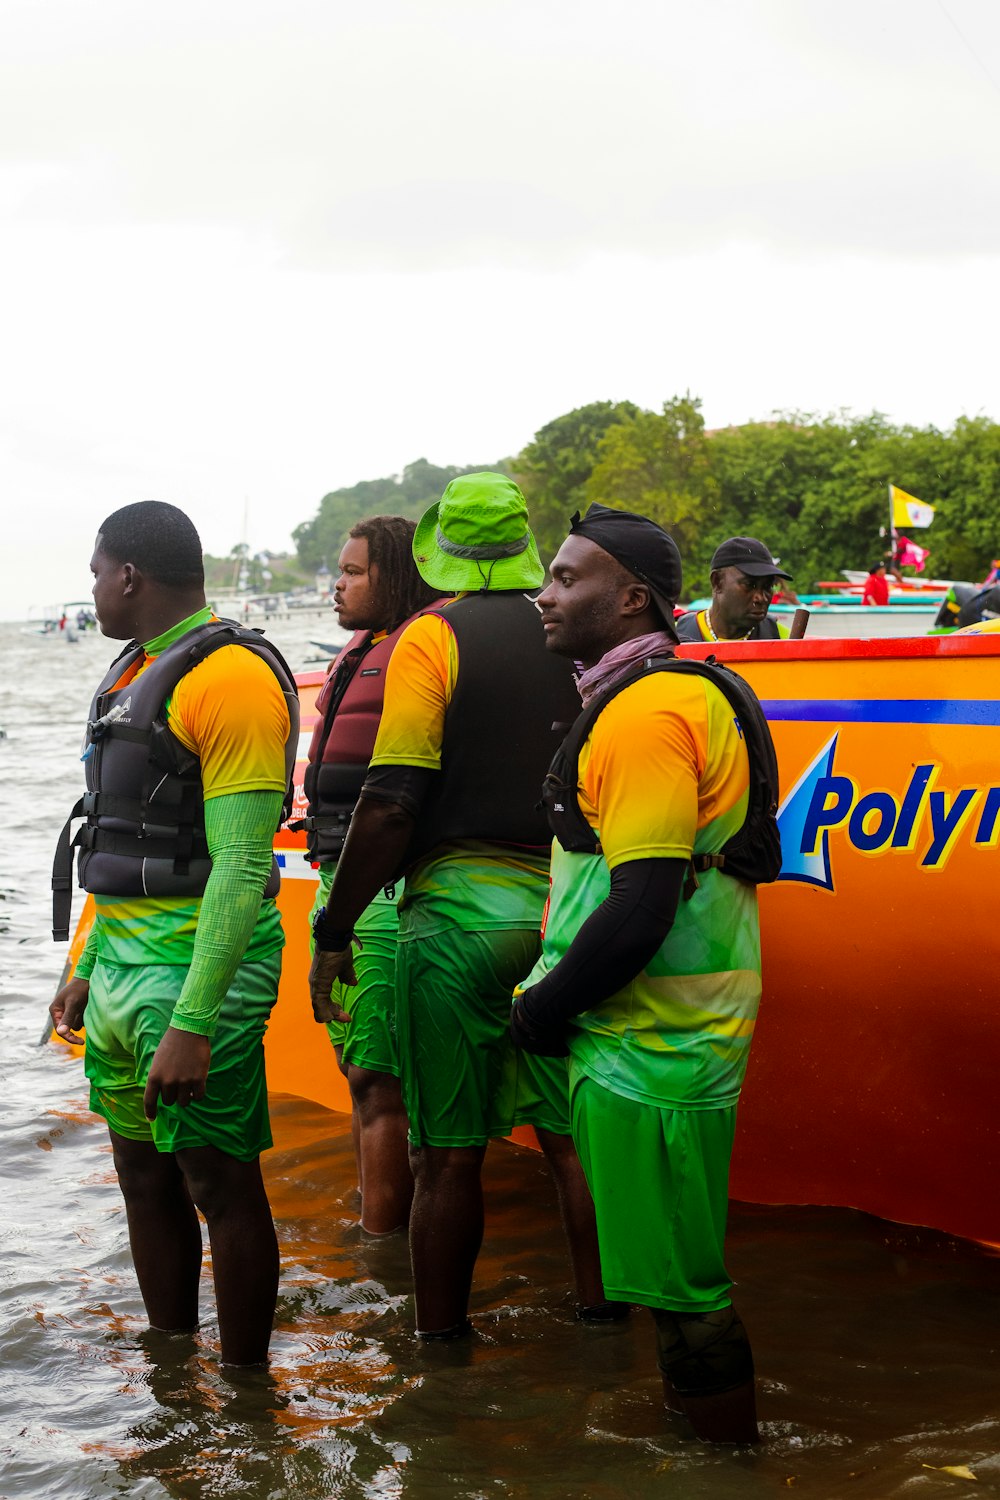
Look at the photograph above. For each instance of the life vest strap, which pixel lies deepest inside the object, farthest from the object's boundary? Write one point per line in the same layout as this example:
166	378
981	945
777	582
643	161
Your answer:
138	845
98	730
703	862
317	822
107	805
62	878
186	836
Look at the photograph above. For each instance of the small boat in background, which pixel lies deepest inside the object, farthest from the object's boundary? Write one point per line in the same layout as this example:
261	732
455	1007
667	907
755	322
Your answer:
845	615
61	621
852	581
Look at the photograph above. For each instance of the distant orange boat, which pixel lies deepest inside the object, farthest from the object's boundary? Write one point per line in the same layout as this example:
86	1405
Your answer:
872	1082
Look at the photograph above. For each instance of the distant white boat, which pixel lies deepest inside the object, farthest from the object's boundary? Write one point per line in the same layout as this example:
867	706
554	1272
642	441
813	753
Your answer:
239	605
61	621
856	577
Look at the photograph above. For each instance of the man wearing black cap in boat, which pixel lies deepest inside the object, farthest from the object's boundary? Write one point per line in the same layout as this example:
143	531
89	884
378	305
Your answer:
649	975
744	575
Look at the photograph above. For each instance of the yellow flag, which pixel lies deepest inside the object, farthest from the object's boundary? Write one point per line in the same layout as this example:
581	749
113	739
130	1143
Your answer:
908	511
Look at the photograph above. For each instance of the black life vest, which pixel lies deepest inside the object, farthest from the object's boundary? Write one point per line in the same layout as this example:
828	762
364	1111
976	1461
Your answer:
145	828
512	701
753	853
349	708
984	603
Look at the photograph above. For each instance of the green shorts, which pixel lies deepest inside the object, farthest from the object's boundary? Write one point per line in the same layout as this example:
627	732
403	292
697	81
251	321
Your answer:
129	1010
369	1038
532	1091
660	1182
453	1010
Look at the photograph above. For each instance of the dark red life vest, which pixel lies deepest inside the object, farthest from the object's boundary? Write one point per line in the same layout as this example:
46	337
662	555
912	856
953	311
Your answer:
349	708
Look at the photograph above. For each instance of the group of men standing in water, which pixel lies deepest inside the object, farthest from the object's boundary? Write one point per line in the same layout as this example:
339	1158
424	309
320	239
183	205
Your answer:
473	974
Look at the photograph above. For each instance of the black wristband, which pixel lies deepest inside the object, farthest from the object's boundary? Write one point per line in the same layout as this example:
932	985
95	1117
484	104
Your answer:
326	939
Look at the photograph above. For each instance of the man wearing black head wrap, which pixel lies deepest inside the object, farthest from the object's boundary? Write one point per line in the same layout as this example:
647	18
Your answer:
654	996
644	549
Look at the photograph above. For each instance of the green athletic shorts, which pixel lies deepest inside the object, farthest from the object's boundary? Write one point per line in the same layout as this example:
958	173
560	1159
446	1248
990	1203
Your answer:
369	1038
129	1010
453	1010
532	1091
660	1183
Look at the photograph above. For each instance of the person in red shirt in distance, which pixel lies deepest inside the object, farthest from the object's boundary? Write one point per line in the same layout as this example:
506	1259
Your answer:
876	588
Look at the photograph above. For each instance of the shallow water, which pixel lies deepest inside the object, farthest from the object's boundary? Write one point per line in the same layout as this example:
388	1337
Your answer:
878	1347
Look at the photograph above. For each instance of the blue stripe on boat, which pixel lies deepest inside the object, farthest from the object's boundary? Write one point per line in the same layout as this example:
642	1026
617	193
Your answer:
984	711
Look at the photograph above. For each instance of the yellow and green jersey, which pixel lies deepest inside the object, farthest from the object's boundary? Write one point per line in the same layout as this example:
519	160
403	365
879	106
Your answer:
665	774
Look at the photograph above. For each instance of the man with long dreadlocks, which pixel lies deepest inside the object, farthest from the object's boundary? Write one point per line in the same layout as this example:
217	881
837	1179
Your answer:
377	594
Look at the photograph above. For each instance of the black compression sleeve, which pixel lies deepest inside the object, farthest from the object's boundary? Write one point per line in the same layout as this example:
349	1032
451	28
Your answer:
406	785
612	946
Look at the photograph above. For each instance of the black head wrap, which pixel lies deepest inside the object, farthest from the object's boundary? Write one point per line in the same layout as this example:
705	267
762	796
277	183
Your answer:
647	551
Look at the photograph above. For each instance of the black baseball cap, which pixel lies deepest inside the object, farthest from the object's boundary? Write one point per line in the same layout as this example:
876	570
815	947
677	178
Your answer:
751	556
645	549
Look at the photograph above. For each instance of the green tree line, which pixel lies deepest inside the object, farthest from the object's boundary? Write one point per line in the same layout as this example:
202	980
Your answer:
813	488
420	484
260	573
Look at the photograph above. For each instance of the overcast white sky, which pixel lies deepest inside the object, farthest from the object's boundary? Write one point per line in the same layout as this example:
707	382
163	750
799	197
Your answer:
252	250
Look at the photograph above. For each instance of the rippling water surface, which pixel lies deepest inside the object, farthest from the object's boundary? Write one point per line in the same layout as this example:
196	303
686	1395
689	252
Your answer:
878	1347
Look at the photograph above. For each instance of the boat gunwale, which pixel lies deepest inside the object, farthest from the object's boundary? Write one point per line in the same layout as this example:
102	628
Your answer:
846	648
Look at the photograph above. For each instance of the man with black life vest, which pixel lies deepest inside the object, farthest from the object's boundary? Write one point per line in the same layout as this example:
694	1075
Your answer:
468	727
376	595
743	577
188	755
654	995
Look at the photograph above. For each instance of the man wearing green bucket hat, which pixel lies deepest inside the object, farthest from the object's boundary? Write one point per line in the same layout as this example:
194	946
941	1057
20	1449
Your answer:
473	711
450	545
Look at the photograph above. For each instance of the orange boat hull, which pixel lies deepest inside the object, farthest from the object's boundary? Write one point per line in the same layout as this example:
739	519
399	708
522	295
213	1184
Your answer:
872	1078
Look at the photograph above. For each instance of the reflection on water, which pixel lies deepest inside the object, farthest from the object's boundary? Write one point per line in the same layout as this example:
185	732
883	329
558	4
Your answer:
878	1347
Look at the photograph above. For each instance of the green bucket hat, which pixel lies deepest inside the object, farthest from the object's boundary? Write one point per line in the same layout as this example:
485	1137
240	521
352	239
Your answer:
477	537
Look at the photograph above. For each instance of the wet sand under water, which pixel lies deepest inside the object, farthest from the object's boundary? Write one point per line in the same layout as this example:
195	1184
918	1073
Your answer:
877	1346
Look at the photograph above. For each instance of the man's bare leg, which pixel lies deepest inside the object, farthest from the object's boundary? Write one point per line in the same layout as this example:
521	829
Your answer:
163	1231
446	1232
231	1195
579	1222
386	1178
355	1118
